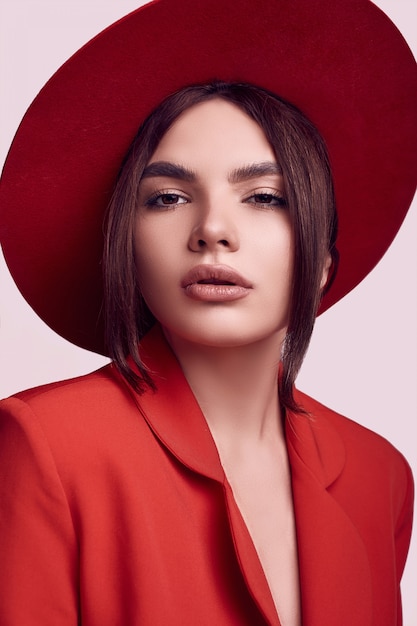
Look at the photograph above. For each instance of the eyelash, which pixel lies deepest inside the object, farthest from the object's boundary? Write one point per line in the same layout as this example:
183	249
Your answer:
269	199
158	195
275	199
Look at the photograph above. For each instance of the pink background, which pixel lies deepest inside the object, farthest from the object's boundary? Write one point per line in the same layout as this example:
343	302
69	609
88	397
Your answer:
363	358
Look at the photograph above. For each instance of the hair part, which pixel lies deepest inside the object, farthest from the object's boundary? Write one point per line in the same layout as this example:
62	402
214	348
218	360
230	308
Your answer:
308	186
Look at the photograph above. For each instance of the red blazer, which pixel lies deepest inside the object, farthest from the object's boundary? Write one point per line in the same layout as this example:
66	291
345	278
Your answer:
115	511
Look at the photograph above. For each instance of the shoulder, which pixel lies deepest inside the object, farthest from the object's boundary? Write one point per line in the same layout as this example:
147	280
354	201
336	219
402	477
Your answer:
369	458
356	437
91	394
103	380
71	417
371	463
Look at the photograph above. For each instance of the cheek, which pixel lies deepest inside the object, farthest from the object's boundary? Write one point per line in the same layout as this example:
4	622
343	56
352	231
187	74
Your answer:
145	253
155	260
275	246
279	272
159	237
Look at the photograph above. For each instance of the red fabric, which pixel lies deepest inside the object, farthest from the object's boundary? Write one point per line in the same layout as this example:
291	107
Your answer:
340	61
115	510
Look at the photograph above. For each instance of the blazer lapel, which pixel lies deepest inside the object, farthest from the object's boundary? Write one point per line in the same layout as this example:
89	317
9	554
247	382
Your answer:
334	569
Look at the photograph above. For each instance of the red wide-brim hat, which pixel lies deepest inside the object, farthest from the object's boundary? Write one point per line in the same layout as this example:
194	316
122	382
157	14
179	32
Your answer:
342	62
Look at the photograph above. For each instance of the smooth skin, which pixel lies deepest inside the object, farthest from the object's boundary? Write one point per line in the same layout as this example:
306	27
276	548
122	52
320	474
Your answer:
212	195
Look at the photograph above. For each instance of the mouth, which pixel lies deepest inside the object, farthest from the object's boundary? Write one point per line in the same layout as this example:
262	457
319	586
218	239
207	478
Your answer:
215	283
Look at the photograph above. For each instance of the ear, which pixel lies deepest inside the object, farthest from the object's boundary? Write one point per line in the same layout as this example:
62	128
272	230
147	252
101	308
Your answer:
326	269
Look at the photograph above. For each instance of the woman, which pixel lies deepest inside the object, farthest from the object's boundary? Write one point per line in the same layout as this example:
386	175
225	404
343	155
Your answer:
106	455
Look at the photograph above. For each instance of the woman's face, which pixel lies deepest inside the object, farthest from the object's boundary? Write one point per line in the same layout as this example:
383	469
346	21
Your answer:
213	239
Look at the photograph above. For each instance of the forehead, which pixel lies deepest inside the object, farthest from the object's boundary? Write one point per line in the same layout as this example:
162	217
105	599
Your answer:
214	129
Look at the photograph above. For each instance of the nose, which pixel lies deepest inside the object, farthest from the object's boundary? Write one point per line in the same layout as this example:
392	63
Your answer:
215	230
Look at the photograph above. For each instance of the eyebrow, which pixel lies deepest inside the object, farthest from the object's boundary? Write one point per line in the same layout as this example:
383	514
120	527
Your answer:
169	170
246	172
254	170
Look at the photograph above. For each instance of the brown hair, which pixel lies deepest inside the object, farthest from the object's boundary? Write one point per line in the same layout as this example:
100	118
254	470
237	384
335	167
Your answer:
301	154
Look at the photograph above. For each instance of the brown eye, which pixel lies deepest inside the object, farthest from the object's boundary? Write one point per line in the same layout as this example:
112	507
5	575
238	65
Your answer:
264	198
166	200
267	199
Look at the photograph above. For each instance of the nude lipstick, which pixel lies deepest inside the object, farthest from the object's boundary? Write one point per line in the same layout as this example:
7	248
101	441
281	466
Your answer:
215	283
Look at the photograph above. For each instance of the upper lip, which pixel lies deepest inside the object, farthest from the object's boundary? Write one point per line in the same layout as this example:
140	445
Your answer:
216	274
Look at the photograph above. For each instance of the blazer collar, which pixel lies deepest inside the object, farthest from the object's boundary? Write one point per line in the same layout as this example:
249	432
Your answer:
334	570
173	412
315	443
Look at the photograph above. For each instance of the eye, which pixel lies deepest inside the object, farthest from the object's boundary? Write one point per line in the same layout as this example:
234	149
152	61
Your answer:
267	199
167	199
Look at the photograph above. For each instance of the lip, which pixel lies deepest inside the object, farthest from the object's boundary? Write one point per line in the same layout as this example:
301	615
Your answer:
215	283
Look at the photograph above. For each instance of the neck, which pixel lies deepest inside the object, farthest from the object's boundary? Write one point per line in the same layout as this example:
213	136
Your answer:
236	387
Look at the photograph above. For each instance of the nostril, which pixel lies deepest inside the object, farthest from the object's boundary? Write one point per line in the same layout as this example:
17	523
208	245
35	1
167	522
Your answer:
204	243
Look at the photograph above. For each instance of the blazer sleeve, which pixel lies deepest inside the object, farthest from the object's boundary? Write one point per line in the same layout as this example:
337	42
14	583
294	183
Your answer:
38	548
403	532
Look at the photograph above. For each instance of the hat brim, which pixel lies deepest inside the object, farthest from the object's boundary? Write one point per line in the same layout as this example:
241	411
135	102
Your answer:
342	62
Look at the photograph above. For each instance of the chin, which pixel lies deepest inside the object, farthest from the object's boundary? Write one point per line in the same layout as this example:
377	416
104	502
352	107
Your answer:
221	335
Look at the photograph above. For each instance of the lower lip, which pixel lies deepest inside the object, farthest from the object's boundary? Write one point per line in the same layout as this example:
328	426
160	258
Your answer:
215	293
